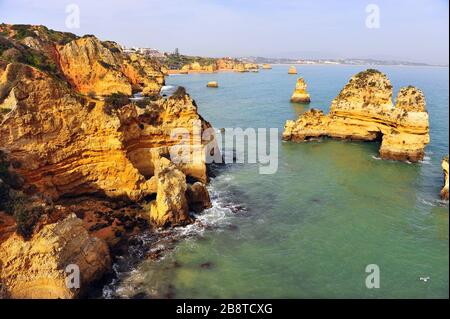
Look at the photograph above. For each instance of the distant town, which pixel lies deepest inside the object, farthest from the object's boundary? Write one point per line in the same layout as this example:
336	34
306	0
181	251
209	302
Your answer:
155	53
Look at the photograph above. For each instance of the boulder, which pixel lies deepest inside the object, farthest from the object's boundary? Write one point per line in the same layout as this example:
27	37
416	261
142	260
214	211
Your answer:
198	197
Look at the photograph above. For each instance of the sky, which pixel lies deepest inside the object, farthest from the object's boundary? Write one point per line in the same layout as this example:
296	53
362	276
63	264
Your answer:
411	30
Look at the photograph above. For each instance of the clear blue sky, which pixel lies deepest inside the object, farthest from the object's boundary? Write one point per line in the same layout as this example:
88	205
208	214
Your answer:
415	30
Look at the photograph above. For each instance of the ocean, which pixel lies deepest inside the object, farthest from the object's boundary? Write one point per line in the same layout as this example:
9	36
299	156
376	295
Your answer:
331	209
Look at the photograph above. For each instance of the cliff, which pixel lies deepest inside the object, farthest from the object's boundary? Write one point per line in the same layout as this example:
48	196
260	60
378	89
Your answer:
363	110
444	191
69	130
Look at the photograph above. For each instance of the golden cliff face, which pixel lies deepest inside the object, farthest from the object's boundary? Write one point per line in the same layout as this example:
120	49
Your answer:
100	68
39	267
69	136
363	110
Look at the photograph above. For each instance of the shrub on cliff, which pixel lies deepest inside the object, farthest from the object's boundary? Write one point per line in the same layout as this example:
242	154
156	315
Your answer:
4	164
26	217
4	197
115	101
179	93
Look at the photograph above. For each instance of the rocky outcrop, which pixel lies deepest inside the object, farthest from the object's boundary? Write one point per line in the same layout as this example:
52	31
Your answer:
100	68
175	197
42	266
171	206
363	110
444	191
91	66
198	197
212	84
300	94
64	142
292	70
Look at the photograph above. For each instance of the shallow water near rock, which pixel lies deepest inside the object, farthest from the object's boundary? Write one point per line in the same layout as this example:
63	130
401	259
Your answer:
332	208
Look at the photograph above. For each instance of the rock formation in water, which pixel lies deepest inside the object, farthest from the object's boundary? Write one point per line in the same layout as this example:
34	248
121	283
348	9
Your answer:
444	191
212	84
292	70
363	110
69	130
300	94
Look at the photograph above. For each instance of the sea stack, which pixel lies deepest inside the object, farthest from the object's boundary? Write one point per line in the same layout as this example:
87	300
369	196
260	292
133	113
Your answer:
363	110
213	84
300	94
292	70
444	191
266	66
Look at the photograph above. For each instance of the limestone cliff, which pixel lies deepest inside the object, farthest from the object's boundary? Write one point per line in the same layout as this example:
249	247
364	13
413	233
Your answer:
37	268
70	130
444	191
363	110
88	64
300	94
101	68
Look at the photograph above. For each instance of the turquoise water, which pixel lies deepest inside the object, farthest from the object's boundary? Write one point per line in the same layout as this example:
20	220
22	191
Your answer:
331	209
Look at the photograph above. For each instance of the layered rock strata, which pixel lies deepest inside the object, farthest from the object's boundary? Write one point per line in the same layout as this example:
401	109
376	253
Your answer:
363	110
71	131
47	265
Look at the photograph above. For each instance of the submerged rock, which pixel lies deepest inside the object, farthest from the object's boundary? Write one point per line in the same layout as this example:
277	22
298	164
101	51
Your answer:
363	110
37	268
300	94
444	191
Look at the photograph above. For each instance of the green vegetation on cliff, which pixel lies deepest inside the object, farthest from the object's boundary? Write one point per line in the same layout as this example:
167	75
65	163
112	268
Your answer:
19	32
12	51
176	61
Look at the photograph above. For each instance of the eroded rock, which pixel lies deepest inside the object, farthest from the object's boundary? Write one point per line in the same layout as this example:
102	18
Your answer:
363	110
37	268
